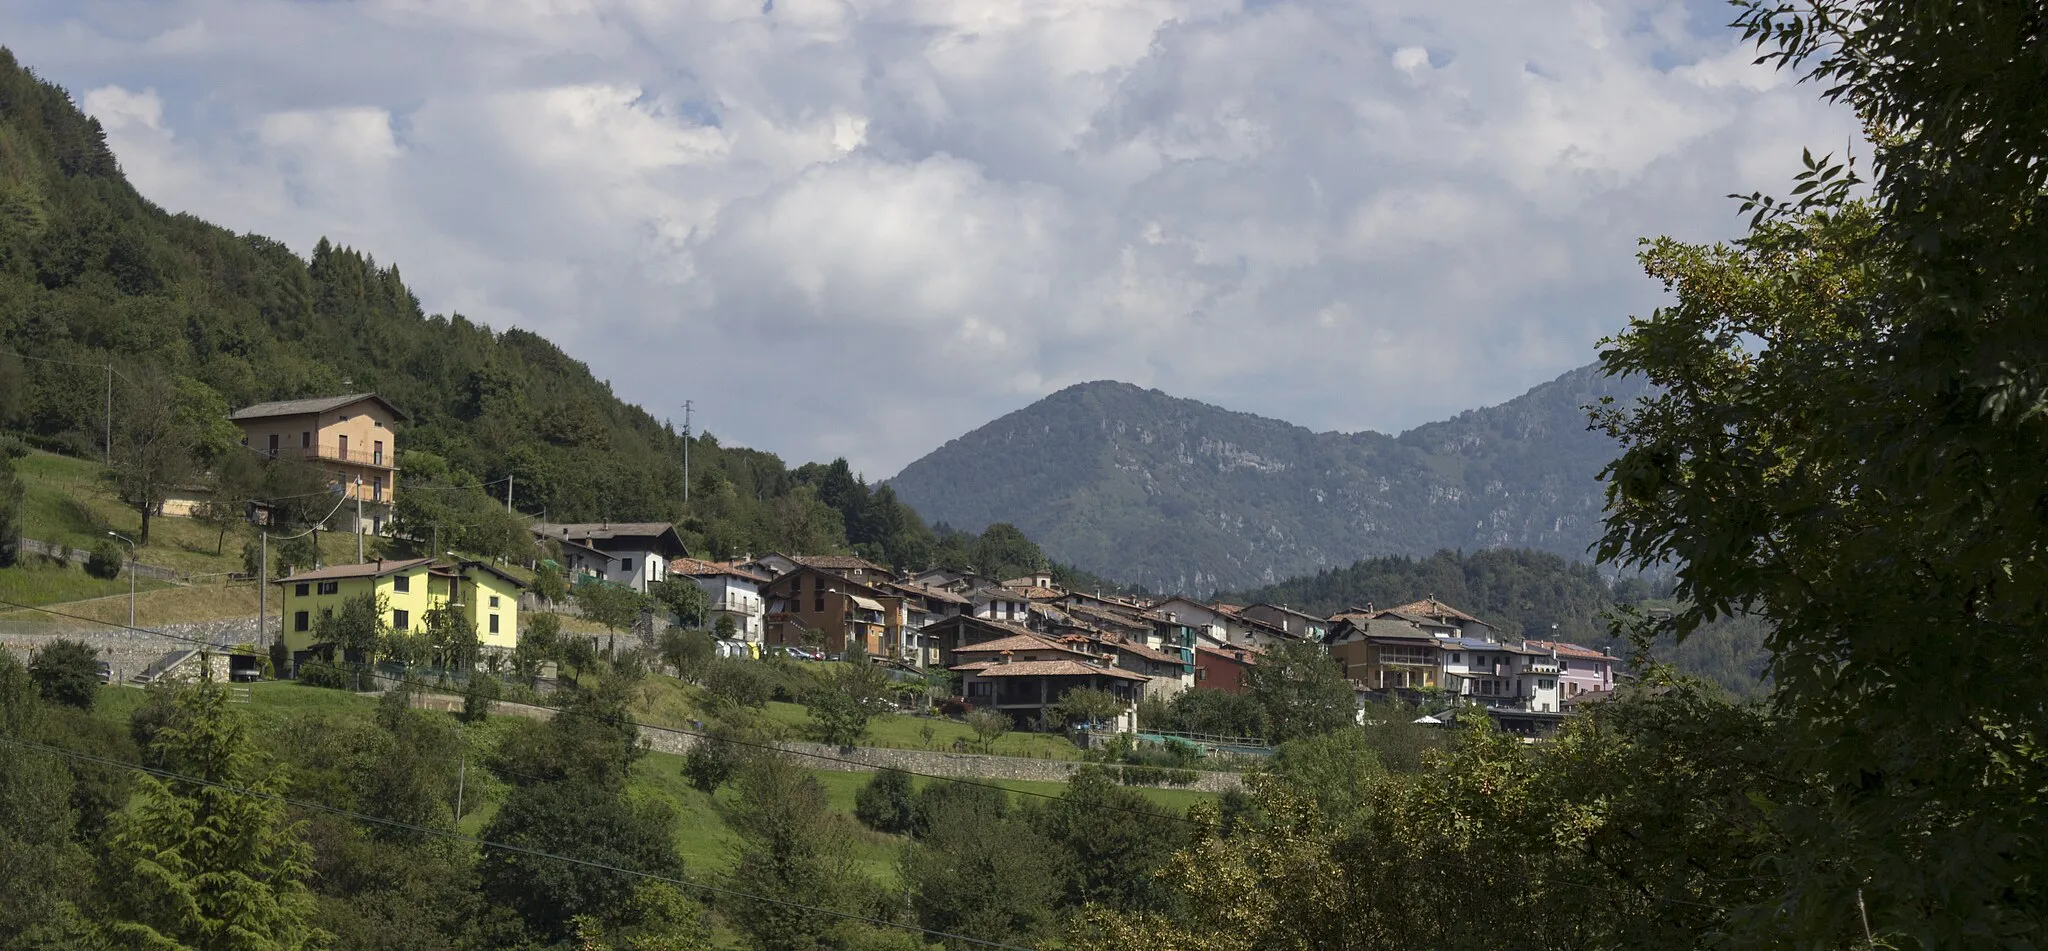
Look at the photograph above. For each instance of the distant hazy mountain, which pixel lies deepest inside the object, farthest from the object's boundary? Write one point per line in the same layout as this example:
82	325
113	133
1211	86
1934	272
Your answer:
1179	495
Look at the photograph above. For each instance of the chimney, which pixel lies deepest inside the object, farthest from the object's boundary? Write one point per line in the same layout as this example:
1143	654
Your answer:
1006	657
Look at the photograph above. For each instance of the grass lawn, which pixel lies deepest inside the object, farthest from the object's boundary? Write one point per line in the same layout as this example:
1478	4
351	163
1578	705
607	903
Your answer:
67	503
666	701
156	602
40	581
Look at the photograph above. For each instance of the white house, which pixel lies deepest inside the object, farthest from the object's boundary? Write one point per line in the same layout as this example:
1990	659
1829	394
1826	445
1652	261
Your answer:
733	592
640	551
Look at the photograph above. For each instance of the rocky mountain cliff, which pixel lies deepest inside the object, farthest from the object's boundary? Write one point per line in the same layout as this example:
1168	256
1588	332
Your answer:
1179	495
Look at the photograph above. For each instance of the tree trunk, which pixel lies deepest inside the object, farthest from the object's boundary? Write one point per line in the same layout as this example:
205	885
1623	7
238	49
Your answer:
144	539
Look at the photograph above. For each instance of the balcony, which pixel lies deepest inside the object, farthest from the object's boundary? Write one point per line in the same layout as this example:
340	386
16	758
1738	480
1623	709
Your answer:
379	458
1542	666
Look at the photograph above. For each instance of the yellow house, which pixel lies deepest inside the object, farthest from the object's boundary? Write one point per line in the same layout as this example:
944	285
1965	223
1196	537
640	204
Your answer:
349	436
486	597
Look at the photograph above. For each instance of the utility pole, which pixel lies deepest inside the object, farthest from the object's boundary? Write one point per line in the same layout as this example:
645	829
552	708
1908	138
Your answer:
686	452
359	520
508	495
109	456
263	584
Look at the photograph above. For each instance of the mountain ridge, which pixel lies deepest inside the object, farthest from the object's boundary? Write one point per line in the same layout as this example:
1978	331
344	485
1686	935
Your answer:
1176	494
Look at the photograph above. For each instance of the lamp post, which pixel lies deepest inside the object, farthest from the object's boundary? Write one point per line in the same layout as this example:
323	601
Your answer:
131	577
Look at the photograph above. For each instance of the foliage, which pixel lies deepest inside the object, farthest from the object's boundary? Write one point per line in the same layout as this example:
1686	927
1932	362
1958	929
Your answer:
160	422
67	672
107	560
1084	706
792	849
11	503
686	651
1116	841
1334	772
731	683
991	877
936	800
1302	692
478	694
591	739
841	707
988	726
723	751
615	607
589	821
885	804
1521	591
208	859
685	601
46	869
1205	710
539	642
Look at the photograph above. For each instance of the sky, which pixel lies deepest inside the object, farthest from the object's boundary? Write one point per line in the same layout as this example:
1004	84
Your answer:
861	228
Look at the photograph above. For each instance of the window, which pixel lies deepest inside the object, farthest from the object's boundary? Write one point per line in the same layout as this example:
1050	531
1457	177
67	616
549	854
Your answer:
401	582
376	487
377	452
399	620
1546	684
626	565
301	621
273	444
330	587
494	600
305	440
302	589
494	624
819	606
344	419
343	447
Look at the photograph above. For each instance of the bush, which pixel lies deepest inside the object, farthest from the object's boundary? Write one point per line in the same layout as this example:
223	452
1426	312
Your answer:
734	683
939	797
715	759
105	561
1155	776
886	803
477	696
67	672
322	672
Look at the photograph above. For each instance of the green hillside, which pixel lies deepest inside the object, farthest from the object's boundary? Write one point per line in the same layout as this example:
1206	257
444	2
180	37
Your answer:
1179	495
194	319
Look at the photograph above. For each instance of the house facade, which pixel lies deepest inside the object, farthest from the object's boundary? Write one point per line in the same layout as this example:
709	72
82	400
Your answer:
731	592
812	608
637	553
1223	668
1581	670
486	598
1300	625
1024	676
350	437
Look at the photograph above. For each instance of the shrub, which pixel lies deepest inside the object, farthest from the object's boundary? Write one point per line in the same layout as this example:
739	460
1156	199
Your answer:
716	758
886	803
105	561
939	797
735	683
324	672
1155	776
67	672
477	696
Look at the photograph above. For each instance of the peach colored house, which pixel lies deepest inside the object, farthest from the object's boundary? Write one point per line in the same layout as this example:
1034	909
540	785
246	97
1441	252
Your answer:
349	436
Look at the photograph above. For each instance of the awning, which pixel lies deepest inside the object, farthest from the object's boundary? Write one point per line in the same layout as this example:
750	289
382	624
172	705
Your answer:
866	603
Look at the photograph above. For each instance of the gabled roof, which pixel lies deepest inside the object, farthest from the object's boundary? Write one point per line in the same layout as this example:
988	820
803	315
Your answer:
1241	655
312	407
1432	608
591	533
839	563
368	569
1565	649
462	566
927	592
1284	609
699	568
1051	668
1020	642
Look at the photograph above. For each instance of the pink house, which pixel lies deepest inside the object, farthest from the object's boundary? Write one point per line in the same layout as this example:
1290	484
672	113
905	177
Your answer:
1579	669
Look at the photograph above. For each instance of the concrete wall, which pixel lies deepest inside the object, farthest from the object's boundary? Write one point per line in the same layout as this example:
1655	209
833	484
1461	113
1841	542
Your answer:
128	652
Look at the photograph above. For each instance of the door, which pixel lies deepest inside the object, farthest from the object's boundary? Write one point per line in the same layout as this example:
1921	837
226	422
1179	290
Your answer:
344	447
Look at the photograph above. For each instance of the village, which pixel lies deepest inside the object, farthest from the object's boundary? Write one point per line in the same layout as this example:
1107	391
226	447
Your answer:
1013	645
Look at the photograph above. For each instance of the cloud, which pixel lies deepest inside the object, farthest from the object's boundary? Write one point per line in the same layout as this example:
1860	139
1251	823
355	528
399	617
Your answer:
862	227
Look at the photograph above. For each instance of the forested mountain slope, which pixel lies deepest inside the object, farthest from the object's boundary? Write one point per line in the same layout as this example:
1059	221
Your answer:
92	274
1179	495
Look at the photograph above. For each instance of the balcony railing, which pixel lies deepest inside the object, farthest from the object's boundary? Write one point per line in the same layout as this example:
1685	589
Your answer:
382	458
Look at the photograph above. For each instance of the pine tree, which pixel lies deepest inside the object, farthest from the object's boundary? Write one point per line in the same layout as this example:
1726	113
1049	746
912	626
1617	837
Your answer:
207	859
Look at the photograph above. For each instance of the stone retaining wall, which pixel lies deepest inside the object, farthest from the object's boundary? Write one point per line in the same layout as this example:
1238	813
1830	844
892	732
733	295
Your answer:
127	652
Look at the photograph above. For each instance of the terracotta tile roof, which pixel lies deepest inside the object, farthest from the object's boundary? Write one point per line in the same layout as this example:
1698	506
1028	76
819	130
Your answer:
1231	653
1565	649
1036	593
372	569
928	592
1231	610
311	407
1434	609
838	563
699	568
1055	668
1021	642
1133	647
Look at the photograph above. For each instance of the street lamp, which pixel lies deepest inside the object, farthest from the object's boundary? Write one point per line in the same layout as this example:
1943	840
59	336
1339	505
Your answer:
131	576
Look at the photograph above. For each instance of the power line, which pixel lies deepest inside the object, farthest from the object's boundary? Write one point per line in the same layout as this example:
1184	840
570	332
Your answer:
501	846
364	670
